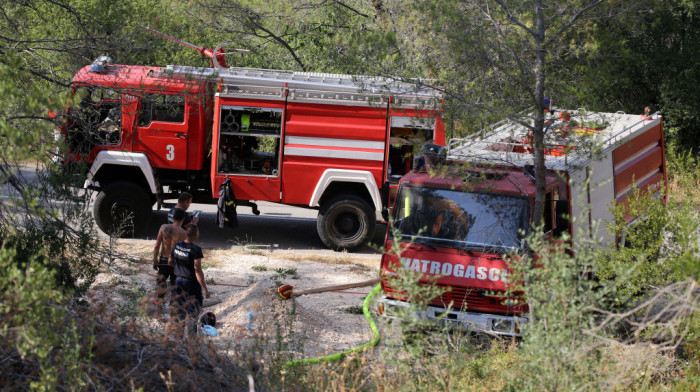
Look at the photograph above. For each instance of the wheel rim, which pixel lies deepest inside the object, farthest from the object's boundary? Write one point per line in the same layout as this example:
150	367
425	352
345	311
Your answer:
347	226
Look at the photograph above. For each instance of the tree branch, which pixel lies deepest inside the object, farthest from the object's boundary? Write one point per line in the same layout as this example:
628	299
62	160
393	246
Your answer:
340	3
572	21
515	20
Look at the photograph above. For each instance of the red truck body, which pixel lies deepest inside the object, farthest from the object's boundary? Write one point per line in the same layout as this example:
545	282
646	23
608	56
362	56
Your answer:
471	217
321	141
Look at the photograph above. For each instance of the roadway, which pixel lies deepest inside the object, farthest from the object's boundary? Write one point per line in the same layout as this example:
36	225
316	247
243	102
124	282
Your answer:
277	227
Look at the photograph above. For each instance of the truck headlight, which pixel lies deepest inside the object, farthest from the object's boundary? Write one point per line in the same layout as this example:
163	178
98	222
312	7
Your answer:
502	325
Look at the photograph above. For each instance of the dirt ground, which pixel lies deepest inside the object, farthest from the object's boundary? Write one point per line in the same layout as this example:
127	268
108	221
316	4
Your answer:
245	281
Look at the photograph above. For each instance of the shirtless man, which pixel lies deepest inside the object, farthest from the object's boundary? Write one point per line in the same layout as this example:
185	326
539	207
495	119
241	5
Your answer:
168	235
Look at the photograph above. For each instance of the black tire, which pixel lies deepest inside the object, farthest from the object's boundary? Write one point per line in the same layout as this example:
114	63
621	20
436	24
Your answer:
346	222
122	209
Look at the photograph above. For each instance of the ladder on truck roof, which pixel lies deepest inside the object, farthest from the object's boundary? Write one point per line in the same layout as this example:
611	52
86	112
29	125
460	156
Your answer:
310	86
566	146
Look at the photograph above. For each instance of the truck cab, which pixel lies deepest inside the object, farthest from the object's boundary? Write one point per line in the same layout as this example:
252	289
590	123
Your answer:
455	230
138	133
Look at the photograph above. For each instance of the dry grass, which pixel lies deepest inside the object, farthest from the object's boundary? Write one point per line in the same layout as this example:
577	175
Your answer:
624	367
681	188
363	263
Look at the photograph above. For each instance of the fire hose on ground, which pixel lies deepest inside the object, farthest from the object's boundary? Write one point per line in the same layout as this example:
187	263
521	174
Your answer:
365	310
341	355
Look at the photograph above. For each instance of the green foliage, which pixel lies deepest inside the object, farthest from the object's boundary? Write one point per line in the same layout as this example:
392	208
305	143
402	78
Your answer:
644	56
561	304
691	354
660	246
19	102
283	273
30	310
44	213
355	309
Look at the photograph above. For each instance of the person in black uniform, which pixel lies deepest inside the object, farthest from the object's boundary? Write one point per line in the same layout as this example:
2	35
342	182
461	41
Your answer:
183	202
186	259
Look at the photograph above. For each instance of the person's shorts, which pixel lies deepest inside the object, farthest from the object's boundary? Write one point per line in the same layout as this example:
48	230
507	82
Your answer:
189	295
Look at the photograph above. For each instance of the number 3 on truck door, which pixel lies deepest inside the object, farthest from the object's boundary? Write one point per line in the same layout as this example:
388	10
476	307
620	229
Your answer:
171	152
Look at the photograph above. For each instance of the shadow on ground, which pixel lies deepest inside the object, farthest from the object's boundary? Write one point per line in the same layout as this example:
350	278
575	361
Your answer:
279	232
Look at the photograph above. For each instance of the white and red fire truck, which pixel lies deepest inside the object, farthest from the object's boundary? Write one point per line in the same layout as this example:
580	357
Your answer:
455	228
323	141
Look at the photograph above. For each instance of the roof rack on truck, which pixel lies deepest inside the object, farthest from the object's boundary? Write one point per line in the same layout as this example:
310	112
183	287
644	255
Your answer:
261	83
571	141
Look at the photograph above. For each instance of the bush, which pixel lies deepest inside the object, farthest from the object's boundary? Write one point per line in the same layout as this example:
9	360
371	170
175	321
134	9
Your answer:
38	340
659	247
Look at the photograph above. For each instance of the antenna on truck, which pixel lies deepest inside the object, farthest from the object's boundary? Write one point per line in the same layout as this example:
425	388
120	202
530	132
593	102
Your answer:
218	61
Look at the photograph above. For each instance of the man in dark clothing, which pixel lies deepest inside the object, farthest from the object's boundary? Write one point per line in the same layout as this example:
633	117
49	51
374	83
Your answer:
183	202
186	259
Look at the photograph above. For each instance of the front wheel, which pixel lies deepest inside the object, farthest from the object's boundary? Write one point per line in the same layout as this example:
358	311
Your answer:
122	209
346	222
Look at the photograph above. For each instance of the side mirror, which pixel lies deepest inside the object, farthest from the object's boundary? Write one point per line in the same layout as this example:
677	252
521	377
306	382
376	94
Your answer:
434	154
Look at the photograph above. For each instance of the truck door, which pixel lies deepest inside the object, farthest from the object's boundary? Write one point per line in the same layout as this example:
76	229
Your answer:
161	130
247	146
406	136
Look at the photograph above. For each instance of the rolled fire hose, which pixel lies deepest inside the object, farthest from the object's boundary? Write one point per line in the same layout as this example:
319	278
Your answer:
341	355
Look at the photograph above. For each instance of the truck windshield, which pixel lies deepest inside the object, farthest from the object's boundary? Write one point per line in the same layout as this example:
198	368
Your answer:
458	219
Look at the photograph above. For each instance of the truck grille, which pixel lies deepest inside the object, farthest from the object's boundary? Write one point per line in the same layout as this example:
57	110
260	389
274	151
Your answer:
473	300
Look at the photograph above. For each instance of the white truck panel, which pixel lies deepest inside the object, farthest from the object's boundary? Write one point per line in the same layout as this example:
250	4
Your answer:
121	158
332	175
602	191
580	212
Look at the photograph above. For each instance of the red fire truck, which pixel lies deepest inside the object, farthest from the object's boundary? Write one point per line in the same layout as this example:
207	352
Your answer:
455	228
322	141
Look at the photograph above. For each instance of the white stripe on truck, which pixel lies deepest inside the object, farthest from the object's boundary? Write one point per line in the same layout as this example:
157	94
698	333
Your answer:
334	148
328	153
329	142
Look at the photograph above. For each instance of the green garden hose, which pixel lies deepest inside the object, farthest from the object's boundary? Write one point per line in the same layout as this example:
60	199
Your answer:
341	355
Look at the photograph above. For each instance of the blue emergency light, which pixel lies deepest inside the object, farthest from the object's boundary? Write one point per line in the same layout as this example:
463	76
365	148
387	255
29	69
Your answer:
98	66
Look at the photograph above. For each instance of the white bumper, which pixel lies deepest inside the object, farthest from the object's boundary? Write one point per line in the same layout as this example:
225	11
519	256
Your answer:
479	322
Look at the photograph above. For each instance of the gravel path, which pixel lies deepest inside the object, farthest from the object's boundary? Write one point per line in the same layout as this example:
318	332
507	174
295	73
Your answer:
243	282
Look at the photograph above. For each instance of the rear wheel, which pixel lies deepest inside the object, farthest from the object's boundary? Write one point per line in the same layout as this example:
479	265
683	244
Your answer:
346	222
122	209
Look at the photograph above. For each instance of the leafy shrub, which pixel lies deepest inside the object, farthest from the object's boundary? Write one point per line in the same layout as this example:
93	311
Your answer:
37	338
659	247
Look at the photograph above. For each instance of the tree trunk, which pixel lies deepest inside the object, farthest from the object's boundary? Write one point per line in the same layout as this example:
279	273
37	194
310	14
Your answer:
538	131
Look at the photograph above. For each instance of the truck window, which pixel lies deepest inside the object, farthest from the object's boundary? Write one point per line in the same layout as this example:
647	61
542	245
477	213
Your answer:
249	141
453	218
406	136
97	120
161	107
